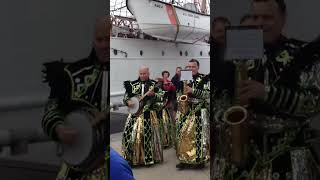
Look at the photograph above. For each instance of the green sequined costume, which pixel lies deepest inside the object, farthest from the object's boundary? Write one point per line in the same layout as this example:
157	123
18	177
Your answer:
192	133
75	85
280	140
141	142
165	127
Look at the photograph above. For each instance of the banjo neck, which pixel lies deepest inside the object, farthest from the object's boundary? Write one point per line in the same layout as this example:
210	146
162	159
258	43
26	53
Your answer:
142	97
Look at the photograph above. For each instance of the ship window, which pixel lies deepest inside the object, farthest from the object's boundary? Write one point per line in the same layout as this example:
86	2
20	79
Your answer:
180	53
115	52
141	52
200	53
162	53
186	53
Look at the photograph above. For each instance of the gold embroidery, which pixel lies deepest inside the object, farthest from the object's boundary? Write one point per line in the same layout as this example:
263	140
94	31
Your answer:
136	88
81	88
284	57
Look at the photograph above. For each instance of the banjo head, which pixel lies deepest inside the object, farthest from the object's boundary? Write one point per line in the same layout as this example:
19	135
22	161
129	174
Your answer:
136	106
78	152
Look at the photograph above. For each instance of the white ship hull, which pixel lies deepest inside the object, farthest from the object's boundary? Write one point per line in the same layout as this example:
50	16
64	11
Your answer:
168	22
125	59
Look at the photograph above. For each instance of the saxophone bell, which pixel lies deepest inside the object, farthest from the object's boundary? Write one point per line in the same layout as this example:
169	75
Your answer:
235	115
183	99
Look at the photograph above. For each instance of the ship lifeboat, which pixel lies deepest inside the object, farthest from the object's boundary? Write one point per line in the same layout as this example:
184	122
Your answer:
169	22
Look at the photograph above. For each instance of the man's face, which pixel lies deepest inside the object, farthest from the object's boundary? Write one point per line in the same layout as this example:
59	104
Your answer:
144	74
178	71
101	41
193	67
268	15
218	32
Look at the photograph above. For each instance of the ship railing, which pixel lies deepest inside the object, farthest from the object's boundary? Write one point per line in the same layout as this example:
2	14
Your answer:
18	139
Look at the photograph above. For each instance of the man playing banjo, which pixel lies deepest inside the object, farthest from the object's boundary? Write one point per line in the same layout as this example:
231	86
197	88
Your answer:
141	142
82	85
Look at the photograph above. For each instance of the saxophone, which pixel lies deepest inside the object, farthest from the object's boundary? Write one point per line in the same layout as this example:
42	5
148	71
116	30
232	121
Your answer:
237	117
183	99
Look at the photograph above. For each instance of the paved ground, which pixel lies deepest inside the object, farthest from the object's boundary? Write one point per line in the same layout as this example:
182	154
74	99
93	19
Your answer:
164	171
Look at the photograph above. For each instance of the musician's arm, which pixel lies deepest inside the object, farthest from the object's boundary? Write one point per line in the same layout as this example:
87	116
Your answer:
59	83
202	93
53	117
159	99
126	99
303	100
160	95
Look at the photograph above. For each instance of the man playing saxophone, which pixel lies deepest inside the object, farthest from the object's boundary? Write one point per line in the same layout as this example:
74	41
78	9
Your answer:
193	121
282	93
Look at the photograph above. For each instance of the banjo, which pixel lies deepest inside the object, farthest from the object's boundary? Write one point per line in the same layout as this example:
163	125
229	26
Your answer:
87	151
138	102
89	143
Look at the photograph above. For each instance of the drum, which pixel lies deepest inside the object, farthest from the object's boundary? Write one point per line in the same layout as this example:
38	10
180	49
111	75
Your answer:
89	142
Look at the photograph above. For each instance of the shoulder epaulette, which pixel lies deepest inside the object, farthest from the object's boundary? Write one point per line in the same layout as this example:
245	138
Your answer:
53	70
127	86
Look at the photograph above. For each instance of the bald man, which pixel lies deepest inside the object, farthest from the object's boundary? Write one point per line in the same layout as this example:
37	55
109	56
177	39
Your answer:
141	144
80	85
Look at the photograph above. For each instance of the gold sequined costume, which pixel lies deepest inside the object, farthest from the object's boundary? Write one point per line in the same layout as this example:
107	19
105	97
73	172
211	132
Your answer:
141	142
192	133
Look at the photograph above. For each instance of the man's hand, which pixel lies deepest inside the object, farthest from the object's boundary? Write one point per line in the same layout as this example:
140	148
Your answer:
189	90
65	135
159	79
99	117
251	90
130	104
150	93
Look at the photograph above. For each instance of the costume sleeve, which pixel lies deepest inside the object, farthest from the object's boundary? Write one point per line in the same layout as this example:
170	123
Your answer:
303	100
128	92
59	90
203	93
159	99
